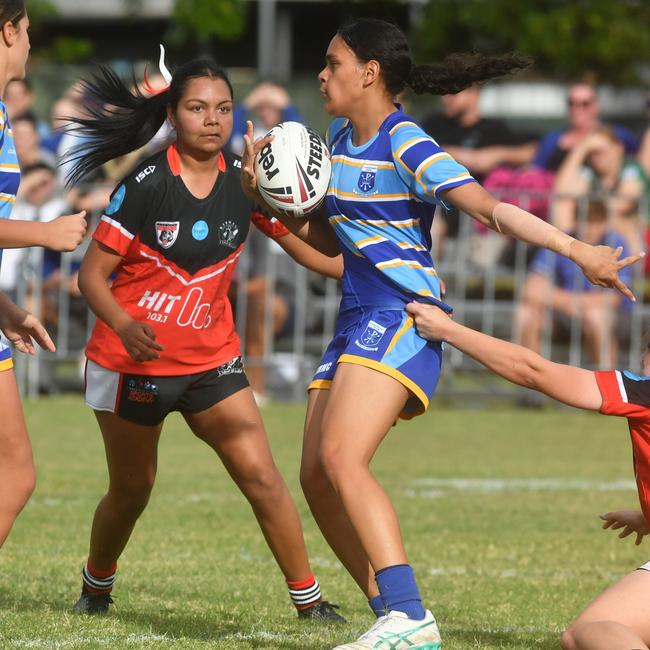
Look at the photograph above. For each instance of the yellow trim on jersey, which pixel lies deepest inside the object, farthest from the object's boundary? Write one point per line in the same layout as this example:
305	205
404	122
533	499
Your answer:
332	191
377	239
404	245
408	323
424	165
401	125
391	372
410	143
353	162
399	160
9	168
452	180
412	264
7	364
404	223
7	198
320	384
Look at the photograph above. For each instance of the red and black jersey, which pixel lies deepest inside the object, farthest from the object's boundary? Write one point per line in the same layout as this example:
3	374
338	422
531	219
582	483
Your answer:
628	395
179	253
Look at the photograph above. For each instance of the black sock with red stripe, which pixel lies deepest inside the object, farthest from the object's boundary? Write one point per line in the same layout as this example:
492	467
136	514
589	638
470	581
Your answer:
304	593
96	581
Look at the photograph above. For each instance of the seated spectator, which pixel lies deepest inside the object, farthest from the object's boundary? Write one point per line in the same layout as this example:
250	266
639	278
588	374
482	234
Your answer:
266	105
584	118
556	283
481	144
597	167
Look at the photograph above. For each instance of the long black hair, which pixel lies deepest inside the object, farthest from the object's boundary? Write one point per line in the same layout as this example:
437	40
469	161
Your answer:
378	40
123	119
12	11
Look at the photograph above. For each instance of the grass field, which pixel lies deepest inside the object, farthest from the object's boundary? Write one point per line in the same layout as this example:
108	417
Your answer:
499	510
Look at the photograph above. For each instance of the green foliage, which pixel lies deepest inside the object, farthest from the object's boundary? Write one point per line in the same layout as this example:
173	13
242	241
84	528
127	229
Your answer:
499	512
69	49
205	19
566	39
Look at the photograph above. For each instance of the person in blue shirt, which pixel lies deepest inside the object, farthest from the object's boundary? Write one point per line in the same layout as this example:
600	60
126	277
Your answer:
555	282
388	175
20	328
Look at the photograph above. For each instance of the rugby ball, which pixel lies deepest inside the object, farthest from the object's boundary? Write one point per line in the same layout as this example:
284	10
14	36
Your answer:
293	170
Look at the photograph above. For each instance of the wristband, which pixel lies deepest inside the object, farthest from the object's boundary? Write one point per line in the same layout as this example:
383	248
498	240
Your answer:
270	226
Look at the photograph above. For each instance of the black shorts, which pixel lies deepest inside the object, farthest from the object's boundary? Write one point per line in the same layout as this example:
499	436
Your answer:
147	400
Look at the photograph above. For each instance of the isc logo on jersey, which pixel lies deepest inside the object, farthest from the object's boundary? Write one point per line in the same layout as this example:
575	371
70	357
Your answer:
193	312
144	173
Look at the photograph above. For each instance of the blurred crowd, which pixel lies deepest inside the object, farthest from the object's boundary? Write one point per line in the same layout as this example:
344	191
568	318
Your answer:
588	177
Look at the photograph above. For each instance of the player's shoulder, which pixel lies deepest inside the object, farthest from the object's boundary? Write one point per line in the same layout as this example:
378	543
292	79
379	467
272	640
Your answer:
148	174
635	389
402	129
338	127
231	162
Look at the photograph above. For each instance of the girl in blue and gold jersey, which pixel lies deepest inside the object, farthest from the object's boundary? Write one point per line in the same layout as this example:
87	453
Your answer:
19	327
388	176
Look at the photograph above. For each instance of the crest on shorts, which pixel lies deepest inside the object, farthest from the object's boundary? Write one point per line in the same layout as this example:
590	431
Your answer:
167	232
372	334
367	178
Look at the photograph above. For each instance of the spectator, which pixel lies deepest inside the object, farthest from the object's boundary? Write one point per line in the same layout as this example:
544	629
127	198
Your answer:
644	151
583	119
598	167
555	282
266	105
481	144
28	142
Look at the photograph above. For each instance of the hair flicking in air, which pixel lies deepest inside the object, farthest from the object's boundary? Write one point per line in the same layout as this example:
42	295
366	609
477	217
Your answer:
121	119
373	39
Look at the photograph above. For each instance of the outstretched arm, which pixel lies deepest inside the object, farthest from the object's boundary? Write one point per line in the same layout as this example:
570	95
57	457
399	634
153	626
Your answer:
309	257
600	264
568	384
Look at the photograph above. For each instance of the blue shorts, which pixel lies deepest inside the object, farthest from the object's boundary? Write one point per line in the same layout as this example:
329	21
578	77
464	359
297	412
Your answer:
384	340
6	362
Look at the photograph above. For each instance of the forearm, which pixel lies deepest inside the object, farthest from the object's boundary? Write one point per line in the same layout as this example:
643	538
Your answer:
311	258
22	234
95	289
315	231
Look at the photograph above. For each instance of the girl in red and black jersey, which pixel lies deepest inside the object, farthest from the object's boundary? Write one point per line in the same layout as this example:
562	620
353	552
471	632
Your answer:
618	618
165	338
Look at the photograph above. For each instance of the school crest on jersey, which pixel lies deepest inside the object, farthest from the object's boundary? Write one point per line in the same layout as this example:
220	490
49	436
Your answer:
228	232
367	177
167	232
371	336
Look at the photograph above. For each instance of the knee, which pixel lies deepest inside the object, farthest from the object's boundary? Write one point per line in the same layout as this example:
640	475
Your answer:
131	497
314	481
23	484
338	465
260	482
567	640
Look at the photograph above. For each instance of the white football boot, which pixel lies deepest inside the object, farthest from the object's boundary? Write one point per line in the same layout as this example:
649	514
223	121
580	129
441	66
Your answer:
396	631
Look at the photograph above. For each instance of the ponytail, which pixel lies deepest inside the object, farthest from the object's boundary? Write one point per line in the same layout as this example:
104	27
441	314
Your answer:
120	120
374	39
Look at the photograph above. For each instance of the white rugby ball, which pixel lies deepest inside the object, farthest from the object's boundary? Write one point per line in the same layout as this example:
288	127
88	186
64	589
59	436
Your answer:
293	170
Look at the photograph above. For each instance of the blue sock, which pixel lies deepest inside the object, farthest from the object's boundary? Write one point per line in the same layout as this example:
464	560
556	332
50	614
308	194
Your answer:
377	606
399	590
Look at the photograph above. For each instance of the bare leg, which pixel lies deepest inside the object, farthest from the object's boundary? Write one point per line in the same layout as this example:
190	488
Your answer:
17	474
325	504
234	429
619	619
354	424
131	454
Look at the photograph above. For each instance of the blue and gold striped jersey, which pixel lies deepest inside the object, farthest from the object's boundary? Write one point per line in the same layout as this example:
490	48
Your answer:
380	202
9	169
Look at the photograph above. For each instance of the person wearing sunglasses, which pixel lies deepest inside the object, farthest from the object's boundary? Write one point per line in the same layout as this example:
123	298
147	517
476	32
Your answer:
583	112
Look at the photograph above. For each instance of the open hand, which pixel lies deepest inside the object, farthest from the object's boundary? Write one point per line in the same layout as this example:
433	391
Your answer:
23	329
631	521
601	265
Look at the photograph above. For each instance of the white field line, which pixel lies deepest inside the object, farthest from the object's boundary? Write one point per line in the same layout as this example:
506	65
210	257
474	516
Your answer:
432	488
131	639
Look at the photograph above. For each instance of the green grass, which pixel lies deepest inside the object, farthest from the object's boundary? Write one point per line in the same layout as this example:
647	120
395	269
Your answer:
503	564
